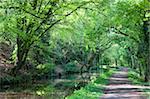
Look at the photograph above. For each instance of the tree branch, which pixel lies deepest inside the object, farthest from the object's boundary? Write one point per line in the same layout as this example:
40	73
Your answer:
62	18
32	14
120	32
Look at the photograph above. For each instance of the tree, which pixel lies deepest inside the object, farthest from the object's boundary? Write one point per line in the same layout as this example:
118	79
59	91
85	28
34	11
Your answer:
33	19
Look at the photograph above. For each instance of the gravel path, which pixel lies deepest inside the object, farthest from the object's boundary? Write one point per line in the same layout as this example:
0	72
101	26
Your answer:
120	87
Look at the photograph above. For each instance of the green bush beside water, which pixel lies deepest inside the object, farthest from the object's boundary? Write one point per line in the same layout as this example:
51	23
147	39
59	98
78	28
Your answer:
93	90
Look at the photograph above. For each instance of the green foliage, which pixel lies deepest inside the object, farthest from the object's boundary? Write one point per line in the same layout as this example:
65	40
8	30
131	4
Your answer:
71	34
103	77
45	68
135	78
71	67
84	94
45	90
10	80
94	89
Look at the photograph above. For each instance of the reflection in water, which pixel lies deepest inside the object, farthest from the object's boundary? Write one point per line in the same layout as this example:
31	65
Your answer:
17	96
64	86
27	96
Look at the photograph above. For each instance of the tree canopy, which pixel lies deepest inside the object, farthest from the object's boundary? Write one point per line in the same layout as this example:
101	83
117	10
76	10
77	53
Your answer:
76	34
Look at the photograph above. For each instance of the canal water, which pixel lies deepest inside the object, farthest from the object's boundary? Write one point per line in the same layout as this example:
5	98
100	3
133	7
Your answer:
52	89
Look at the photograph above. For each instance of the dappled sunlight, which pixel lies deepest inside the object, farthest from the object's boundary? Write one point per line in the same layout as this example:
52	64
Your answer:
74	49
120	87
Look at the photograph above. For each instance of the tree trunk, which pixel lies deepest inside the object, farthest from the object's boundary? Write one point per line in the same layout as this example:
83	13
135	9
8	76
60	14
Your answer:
22	52
116	62
146	27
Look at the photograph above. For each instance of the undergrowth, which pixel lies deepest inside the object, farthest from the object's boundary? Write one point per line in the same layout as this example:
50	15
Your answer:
93	90
136	79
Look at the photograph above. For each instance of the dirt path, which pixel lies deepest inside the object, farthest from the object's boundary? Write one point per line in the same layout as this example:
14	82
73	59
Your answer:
120	87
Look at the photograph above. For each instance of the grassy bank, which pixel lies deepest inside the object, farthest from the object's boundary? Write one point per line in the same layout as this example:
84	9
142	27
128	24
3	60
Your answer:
136	79
93	90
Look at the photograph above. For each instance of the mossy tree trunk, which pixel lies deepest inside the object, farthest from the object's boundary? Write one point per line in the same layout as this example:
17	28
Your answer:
146	45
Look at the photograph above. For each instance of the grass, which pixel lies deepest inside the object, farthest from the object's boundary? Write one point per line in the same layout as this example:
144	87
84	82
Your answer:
93	90
137	80
135	77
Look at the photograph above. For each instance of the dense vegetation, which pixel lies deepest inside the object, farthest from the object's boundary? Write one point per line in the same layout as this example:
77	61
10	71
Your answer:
52	38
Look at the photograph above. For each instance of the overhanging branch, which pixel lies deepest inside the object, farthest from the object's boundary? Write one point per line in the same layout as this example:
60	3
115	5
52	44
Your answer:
57	21
120	32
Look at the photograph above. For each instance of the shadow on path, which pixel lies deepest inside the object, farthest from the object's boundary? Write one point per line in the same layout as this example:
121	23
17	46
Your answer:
120	87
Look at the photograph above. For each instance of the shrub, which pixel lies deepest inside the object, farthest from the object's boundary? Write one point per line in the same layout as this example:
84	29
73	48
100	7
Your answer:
71	67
